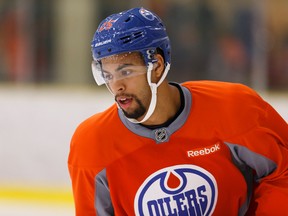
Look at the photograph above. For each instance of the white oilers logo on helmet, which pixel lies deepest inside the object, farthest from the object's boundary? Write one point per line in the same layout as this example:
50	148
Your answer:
147	14
177	190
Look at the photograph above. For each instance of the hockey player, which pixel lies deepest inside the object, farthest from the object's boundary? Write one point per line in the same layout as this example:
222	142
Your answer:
164	148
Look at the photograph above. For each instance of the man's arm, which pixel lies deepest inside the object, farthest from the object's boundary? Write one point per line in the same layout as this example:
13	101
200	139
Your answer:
83	190
268	140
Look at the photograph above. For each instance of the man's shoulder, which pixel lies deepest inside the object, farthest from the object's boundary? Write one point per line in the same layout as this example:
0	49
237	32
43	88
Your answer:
91	144
226	100
224	90
214	85
98	122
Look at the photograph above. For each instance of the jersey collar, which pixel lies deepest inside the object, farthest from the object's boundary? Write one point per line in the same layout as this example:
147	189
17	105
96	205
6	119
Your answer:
162	134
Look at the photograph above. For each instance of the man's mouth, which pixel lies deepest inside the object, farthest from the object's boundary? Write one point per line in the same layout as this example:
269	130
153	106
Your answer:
124	101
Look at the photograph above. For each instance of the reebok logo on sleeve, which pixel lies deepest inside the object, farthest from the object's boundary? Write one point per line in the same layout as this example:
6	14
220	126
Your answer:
204	151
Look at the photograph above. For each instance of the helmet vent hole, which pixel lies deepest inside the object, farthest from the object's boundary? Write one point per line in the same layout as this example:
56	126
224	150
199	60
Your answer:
129	38
138	34
128	19
125	39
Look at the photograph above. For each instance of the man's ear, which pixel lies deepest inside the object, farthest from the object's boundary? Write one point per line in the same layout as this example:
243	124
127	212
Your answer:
159	67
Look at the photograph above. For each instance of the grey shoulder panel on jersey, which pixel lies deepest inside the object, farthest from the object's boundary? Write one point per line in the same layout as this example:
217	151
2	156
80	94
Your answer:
166	132
246	161
262	165
103	203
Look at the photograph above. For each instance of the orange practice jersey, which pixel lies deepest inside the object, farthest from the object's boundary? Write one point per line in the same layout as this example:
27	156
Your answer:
225	154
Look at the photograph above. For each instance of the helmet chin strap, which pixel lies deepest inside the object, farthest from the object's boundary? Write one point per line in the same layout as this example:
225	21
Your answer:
153	88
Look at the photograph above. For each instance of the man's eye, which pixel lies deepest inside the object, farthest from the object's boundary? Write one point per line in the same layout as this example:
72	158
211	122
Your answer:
126	72
107	76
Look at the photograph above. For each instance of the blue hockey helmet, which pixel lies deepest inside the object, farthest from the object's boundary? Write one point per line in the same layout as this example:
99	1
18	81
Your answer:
136	29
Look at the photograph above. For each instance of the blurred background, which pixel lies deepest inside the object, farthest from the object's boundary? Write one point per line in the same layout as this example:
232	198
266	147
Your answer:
47	88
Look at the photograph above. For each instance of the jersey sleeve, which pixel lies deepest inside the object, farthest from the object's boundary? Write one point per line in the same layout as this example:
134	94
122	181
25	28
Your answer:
87	160
82	175
83	190
91	192
269	139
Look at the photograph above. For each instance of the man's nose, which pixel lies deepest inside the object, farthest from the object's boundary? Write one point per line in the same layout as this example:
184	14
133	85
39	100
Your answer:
117	86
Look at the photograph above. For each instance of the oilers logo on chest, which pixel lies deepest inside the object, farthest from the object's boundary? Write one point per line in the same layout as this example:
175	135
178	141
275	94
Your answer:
177	191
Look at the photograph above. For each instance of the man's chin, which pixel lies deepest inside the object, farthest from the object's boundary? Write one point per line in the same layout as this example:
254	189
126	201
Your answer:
134	115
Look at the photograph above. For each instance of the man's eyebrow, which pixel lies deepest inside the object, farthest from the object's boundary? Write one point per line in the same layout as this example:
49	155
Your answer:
123	66
120	67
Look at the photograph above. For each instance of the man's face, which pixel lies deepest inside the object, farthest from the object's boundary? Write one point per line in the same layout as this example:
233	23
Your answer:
125	75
